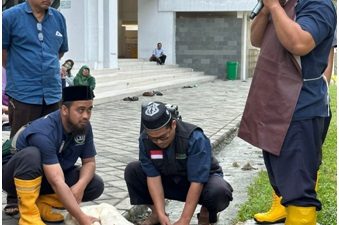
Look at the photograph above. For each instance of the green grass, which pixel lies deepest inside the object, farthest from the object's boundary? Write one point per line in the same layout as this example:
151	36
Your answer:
260	191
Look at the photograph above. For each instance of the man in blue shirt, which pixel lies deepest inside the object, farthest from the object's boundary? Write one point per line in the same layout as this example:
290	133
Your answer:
288	101
175	162
34	38
43	173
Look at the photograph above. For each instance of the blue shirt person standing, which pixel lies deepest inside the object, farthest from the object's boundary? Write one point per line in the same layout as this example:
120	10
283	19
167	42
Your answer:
34	38
175	162
43	172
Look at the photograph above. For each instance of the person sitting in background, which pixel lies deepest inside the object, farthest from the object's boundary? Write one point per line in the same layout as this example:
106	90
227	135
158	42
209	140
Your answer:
84	78
66	75
158	55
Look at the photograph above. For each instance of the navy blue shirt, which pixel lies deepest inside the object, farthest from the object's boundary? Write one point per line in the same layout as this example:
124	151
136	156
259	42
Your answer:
48	135
199	158
33	70
319	19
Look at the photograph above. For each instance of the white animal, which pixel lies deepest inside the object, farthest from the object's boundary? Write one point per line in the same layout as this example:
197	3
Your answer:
107	214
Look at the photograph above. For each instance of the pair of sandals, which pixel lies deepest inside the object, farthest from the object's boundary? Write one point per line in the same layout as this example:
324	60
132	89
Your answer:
11	209
131	99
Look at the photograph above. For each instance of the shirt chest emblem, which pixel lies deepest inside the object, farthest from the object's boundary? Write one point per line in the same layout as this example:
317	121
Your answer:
80	139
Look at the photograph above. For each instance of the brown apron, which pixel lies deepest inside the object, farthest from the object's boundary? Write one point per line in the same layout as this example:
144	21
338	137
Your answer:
274	93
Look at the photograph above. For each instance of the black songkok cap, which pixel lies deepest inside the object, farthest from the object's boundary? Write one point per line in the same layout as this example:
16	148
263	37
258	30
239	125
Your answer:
77	93
155	115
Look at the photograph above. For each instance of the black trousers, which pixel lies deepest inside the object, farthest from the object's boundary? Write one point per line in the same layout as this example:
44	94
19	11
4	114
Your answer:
26	165
20	113
293	174
161	60
216	194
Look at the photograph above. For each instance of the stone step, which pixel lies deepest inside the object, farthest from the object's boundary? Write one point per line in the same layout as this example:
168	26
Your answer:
135	76
137	81
141	73
116	94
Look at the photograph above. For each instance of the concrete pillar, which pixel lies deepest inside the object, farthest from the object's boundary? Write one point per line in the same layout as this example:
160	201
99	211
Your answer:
92	32
155	26
244	47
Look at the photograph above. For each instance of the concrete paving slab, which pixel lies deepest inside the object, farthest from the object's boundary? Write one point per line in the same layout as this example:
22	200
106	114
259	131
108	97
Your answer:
215	106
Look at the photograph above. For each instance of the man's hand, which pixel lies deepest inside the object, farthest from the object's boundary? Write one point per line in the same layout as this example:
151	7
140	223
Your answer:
181	222
270	4
88	220
164	220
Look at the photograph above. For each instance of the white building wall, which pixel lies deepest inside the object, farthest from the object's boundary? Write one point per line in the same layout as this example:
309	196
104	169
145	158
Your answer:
92	32
206	5
154	27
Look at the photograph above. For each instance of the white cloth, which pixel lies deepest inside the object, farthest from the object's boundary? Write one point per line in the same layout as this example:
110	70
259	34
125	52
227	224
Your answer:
107	214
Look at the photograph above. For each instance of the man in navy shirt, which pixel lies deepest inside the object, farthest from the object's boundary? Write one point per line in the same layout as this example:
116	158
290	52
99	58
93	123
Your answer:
289	98
43	172
175	162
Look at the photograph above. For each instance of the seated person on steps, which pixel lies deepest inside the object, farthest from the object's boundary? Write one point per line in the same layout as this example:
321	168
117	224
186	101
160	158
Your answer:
175	162
43	172
158	55
84	78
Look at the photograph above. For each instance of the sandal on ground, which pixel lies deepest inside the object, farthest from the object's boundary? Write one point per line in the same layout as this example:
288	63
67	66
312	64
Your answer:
131	99
11	209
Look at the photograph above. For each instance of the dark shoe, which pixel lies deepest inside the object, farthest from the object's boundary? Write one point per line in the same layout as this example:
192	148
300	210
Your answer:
148	93
11	209
158	93
131	99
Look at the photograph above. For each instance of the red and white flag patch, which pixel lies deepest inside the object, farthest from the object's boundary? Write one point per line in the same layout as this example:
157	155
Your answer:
156	154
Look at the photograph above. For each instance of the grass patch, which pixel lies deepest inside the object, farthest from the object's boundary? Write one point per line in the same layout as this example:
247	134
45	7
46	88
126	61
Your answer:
260	191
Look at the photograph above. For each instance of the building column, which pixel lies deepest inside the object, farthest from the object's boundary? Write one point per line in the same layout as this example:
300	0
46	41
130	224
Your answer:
244	47
92	32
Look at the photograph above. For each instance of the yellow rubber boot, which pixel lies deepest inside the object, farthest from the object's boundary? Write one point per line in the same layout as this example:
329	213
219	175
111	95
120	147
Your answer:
297	215
276	214
46	203
28	193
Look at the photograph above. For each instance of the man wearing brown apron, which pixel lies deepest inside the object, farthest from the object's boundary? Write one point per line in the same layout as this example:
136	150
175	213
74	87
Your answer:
288	101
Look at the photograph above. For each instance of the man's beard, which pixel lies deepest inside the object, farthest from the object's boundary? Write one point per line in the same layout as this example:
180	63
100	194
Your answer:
75	130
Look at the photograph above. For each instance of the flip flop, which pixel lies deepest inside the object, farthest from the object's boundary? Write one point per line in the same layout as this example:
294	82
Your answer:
11	209
131	99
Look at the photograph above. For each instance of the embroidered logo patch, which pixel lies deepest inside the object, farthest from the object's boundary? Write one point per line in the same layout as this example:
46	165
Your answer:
80	139
152	109
180	156
156	154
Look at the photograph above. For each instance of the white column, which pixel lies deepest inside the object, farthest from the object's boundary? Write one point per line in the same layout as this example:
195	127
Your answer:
110	52
155	26
92	32
244	47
